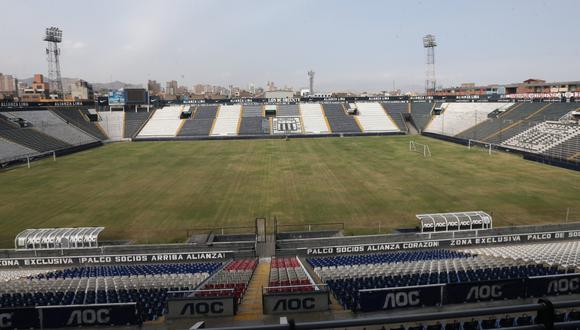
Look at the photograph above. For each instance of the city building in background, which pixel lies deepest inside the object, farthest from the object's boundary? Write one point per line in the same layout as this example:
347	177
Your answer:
82	90
38	91
154	87
8	86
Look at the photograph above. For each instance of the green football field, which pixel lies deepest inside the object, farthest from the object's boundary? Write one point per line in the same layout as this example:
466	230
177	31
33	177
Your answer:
161	191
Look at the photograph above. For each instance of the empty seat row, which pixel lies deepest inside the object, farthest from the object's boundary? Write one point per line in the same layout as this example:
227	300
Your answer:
131	270
543	136
565	254
232	279
288	275
379	258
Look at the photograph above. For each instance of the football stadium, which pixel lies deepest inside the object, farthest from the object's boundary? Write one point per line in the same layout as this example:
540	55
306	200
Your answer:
316	210
446	209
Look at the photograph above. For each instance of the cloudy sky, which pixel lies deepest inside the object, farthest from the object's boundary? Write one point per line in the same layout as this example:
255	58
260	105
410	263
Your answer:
353	45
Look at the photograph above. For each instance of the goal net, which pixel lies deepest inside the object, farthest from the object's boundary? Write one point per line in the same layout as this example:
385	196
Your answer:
420	148
480	145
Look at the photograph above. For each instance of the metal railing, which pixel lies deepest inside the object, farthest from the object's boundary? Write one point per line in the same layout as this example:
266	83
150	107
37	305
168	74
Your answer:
544	308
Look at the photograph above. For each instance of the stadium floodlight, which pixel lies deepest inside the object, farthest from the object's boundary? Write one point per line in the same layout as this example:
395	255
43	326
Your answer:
430	43
53	34
53	37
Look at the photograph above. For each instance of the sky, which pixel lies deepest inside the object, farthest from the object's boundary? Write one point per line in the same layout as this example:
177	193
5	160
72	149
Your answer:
352	45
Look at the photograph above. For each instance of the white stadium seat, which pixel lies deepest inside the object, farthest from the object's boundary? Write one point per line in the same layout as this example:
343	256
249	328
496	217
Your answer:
458	117
313	118
543	136
164	122
227	120
565	254
373	118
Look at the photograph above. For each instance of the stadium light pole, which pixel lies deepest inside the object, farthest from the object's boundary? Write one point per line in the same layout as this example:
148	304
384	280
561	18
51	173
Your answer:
53	37
430	43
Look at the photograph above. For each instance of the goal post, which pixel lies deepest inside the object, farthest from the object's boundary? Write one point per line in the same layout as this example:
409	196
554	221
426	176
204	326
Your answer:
476	144
420	148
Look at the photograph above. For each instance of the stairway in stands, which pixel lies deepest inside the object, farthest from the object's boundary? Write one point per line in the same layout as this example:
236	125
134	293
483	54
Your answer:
251	306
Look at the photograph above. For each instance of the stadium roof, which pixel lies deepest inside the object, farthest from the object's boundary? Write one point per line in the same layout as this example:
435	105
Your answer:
469	219
58	238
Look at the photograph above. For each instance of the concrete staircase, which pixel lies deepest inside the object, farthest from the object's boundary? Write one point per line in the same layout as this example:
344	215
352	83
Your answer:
251	306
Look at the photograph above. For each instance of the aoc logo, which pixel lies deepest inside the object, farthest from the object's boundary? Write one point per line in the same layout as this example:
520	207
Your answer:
5	320
402	299
564	285
484	292
294	304
89	316
202	308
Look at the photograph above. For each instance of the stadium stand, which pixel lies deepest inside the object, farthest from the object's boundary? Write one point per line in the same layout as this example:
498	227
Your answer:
134	122
516	119
164	122
543	136
8	275
313	118
569	149
79	119
201	122
345	276
233	278
549	112
288	110
113	123
252	122
227	120
373	118
458	117
397	110
29	137
338	120
10	150
565	254
146	285
287	274
50	124
421	114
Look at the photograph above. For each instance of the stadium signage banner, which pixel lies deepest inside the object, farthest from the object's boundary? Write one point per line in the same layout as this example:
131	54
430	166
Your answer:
553	285
458	293
298	302
427	244
200	307
89	315
117	259
19	318
46	104
118	98
393	298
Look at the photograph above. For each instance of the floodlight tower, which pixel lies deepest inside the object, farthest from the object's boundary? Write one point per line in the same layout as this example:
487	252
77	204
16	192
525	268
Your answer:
311	78
429	43
53	37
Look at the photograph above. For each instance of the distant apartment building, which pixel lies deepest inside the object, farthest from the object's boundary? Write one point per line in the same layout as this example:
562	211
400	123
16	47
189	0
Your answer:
8	85
541	86
199	89
154	87
171	88
82	90
38	91
279	94
525	87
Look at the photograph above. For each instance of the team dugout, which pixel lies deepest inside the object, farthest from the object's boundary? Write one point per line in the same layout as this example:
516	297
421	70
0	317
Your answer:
58	238
454	221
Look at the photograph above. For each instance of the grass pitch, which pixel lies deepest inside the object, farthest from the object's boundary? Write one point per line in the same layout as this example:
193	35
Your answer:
156	191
